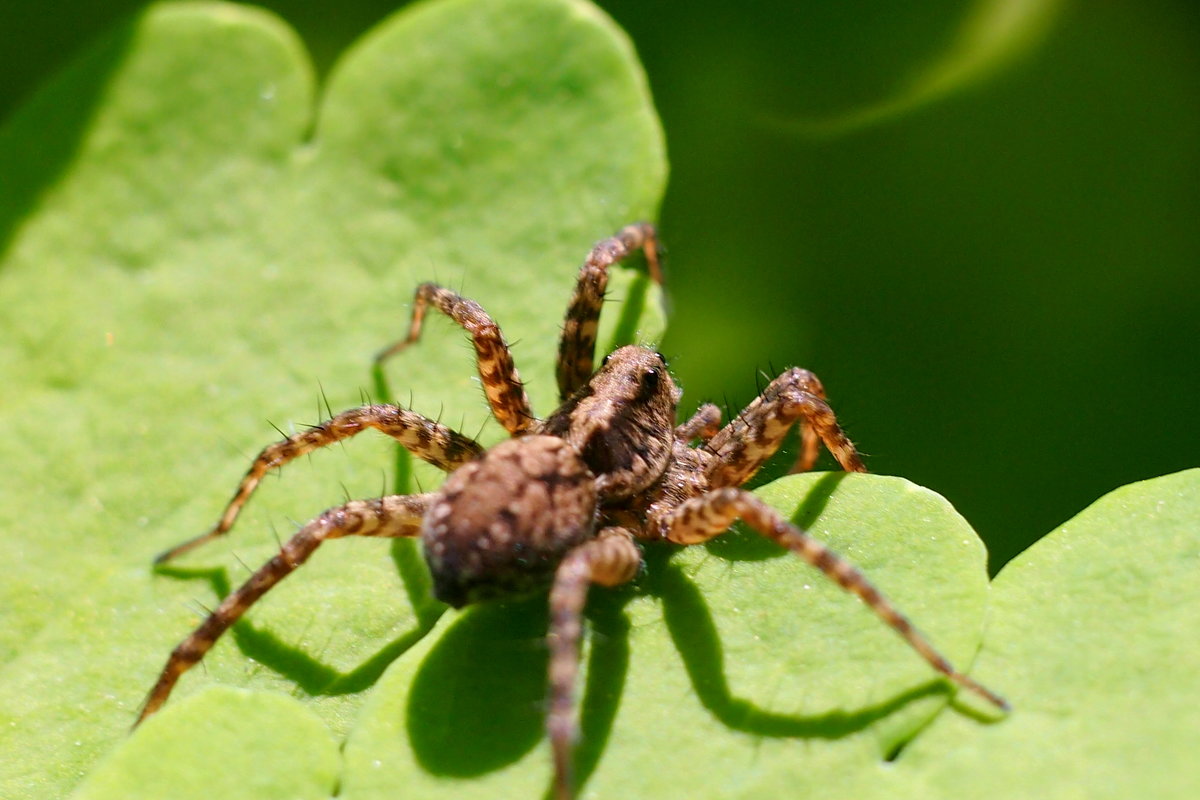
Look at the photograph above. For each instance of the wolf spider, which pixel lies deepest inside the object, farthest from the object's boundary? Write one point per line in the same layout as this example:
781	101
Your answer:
563	502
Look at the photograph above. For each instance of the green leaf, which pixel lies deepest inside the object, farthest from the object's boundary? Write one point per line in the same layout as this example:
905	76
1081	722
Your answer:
1093	634
732	670
189	248
174	755
200	251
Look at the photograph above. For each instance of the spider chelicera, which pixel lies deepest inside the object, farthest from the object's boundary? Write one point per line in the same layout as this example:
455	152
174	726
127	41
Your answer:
563	502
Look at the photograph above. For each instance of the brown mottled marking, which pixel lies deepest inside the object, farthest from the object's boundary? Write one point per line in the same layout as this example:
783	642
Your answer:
431	441
577	347
622	421
501	524
501	383
710	515
393	516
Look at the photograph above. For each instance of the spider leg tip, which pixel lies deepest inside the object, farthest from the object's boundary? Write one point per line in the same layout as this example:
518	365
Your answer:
183	547
1001	703
987	694
171	553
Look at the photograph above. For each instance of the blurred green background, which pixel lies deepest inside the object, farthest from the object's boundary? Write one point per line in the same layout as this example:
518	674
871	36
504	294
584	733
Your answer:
999	285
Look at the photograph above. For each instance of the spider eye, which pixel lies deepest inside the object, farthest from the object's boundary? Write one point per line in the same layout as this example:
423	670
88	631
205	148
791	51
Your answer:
604	361
649	385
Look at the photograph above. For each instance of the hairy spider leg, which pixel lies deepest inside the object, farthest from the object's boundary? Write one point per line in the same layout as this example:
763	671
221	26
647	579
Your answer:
501	382
810	448
609	559
704	425
577	347
441	446
394	516
810	439
753	436
705	517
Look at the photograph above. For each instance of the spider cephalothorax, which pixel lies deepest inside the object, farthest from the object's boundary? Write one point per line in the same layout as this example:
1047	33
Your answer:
622	422
563	502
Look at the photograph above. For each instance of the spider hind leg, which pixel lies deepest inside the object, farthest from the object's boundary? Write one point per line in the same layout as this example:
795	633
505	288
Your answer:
705	517
394	516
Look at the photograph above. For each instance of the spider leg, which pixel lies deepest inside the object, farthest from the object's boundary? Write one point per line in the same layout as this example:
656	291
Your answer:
608	560
501	383
429	440
394	516
705	517
577	348
810	448
810	443
742	446
703	425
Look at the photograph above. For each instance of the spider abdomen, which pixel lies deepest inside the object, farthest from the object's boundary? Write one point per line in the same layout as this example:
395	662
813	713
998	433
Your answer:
502	523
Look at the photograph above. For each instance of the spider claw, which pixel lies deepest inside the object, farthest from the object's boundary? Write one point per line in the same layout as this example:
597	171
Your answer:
184	547
389	351
982	691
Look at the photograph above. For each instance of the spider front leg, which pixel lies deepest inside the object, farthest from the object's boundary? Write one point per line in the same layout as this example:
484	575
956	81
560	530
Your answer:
394	516
609	559
796	396
501	383
577	348
705	517
429	440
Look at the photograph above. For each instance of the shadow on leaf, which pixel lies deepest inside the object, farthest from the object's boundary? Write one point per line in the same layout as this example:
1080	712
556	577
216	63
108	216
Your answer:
296	663
477	703
42	139
694	633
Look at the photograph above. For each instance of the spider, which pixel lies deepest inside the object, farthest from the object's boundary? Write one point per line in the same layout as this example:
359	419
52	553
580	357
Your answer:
563	503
